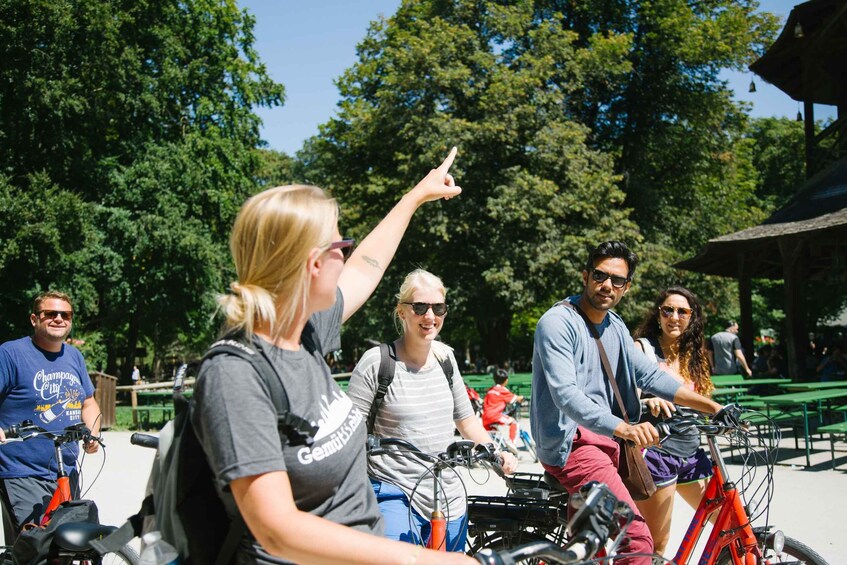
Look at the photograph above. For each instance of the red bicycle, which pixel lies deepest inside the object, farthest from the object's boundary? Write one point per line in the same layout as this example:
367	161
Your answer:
733	539
70	542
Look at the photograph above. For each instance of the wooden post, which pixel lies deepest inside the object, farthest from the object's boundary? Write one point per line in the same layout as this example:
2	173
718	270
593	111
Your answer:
745	303
134	399
791	249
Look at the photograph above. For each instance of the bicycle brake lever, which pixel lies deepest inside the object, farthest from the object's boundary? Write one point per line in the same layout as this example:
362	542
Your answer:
373	447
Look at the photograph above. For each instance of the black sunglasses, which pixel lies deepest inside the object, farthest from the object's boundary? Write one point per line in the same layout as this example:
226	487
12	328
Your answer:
346	246
53	314
601	276
420	308
667	312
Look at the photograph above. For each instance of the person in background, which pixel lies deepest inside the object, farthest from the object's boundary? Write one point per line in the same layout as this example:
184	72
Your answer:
833	365
43	379
573	413
421	408
671	335
724	349
297	281
760	363
495	402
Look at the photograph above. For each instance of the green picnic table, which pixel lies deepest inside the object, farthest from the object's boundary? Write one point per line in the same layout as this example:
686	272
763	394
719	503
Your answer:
738	380
734	392
814	386
803	400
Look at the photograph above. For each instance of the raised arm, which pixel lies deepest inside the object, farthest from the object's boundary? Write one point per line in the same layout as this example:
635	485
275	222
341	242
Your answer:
367	265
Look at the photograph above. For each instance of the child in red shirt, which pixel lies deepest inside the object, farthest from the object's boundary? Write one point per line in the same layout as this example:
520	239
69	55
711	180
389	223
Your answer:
496	400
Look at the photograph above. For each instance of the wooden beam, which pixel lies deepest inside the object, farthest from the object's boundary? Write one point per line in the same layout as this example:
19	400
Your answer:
745	303
791	249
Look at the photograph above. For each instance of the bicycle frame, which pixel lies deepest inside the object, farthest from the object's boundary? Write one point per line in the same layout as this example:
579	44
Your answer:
63	488
732	528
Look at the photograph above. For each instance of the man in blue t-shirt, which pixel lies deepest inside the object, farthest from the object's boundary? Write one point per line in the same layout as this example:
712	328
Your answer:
42	379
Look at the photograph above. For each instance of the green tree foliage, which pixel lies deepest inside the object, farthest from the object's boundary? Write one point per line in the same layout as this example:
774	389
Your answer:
576	122
536	196
127	140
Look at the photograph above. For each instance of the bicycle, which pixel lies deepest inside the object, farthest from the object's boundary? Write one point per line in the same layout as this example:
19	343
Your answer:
459	453
502	441
70	541
733	538
599	516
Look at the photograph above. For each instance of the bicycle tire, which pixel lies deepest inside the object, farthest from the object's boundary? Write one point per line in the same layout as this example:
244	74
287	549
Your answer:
501	542
792	552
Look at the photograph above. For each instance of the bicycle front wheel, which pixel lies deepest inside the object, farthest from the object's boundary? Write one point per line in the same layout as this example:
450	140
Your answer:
530	446
792	552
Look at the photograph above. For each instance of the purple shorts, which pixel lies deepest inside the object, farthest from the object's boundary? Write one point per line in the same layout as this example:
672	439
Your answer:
668	469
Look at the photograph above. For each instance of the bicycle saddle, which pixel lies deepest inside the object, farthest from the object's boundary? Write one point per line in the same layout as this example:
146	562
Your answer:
75	536
553	483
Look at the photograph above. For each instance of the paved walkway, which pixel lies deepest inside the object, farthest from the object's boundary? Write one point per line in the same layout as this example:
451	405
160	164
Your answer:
808	505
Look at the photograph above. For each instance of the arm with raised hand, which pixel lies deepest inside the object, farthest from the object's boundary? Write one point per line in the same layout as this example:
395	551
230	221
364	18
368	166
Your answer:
367	265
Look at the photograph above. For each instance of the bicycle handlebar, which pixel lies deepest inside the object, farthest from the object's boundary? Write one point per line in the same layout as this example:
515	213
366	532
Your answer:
27	430
462	452
683	421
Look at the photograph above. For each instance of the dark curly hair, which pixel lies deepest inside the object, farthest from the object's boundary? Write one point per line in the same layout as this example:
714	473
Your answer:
690	347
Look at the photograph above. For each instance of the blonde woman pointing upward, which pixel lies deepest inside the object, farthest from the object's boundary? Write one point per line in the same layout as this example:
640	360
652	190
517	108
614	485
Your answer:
298	279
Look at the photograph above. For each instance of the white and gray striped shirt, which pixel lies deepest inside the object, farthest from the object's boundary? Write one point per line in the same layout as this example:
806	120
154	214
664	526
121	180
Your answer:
419	408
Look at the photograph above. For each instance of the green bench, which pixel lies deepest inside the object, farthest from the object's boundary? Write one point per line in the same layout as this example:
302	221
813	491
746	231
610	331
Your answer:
836	432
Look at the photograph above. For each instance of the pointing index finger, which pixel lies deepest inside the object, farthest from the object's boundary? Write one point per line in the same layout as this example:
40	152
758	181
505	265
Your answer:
448	162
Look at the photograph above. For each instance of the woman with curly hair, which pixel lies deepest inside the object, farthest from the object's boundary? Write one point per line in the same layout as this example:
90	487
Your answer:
671	334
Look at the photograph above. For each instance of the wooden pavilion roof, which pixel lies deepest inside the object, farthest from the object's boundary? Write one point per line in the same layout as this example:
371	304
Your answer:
817	213
808	62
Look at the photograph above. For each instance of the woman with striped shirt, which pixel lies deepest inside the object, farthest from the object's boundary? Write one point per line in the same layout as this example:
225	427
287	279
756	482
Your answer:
422	407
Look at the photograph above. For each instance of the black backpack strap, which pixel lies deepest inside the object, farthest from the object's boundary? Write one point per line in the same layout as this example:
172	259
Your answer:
385	375
447	367
297	430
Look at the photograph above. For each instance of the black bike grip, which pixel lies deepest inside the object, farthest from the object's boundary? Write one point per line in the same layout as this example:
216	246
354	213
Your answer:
144	440
487	556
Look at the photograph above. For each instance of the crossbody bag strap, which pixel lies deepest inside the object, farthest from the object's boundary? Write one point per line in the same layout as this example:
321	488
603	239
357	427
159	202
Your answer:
604	359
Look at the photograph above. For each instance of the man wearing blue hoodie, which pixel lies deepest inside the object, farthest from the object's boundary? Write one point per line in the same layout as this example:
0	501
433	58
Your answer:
574	414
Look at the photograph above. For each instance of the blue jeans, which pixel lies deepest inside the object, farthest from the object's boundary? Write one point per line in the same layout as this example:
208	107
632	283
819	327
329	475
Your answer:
414	528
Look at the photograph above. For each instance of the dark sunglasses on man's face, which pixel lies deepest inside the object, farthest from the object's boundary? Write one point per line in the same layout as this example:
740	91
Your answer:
420	308
345	245
600	277
53	314
667	312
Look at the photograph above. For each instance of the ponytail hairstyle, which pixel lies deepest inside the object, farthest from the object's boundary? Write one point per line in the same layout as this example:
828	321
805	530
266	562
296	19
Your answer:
417	280
690	346
271	240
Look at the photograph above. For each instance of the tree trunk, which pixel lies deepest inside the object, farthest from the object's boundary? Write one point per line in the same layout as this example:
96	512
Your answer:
495	339
131	345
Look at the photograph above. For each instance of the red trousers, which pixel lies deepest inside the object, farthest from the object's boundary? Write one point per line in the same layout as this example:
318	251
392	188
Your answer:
595	458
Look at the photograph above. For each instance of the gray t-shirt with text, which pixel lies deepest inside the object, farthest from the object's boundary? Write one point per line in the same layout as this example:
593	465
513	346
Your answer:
236	423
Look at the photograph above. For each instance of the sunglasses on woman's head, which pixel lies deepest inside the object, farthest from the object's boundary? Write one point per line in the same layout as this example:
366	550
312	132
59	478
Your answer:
667	312
345	245
420	308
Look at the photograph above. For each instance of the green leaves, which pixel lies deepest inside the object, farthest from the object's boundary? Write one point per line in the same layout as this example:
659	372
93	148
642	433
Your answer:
128	138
